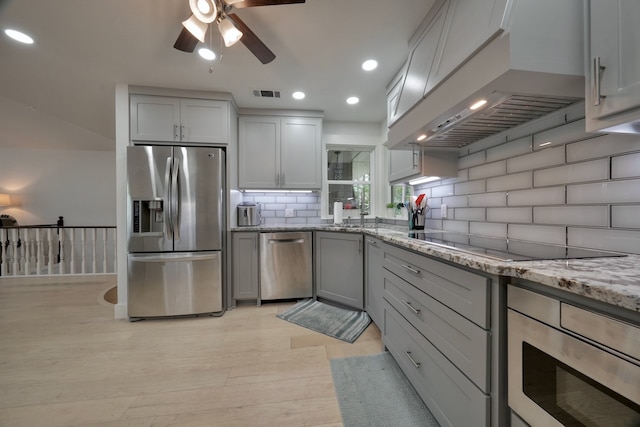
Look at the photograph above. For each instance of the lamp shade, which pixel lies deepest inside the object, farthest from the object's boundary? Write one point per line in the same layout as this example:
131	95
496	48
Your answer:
229	32
196	27
5	200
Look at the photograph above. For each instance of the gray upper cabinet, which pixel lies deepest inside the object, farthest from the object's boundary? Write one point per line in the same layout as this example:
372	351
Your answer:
339	268
280	152
167	119
403	164
614	48
393	94
420	62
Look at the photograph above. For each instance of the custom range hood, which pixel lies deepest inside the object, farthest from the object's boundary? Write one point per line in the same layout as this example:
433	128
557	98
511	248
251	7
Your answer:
533	66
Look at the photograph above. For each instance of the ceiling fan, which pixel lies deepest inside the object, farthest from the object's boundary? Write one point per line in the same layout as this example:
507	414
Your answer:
232	28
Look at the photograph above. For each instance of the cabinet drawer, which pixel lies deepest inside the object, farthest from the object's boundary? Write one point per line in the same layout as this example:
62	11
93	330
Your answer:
450	396
460	340
462	291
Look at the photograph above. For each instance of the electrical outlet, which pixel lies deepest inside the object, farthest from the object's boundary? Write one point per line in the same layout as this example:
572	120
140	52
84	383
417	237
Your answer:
443	210
288	213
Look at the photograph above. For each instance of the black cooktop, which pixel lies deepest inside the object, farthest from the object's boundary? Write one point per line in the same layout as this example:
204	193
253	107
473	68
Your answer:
506	249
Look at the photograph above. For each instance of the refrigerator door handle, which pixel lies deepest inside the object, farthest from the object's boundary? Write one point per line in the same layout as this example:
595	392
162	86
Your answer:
168	257
175	196
167	197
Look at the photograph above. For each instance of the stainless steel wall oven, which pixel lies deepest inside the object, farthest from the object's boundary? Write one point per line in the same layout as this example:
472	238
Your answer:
569	366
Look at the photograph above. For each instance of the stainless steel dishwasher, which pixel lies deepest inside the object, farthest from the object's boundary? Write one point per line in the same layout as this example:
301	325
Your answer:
286	265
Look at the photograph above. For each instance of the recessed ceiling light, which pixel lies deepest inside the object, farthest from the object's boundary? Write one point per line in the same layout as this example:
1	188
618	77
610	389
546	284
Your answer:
478	104
353	100
207	54
421	137
369	65
298	95
18	36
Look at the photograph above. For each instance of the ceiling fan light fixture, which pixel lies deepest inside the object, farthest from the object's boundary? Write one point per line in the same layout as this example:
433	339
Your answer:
207	53
229	32
205	10
196	27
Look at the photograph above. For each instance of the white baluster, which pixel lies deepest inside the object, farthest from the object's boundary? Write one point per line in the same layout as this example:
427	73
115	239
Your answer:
39	252
3	249
14	251
61	243
93	248
115	250
105	233
27	251
50	251
83	244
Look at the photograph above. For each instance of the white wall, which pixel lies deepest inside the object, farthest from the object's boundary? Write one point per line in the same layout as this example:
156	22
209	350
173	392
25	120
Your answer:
79	185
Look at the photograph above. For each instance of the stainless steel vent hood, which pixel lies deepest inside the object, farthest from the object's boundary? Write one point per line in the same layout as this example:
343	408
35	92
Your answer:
535	66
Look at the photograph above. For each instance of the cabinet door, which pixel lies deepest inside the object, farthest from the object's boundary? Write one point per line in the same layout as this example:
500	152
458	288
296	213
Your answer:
154	118
615	40
339	269
469	25
245	266
300	153
258	152
393	96
420	63
204	121
403	164
374	282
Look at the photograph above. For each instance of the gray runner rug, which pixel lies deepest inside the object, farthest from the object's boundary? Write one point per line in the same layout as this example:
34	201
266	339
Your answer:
345	325
373	392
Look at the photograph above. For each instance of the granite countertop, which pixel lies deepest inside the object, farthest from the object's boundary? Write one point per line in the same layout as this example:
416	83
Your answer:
614	280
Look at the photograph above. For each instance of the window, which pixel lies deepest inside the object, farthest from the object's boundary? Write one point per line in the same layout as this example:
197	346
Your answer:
349	180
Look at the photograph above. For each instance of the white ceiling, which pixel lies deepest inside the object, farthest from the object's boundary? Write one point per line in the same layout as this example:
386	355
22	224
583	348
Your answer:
59	92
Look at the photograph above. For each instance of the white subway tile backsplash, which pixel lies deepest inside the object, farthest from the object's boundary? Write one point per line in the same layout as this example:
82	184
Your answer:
539	159
488	199
537	196
455	201
604	192
274	221
471	160
264	199
486	143
434	202
273	206
434	224
538	233
488	229
626	166
443	191
469	187
513	181
605	239
625	216
594	170
510	149
518	215
307	199
488	170
549	121
296	220
286	199
455	226
463	175
561	135
594	216
469	214
602	146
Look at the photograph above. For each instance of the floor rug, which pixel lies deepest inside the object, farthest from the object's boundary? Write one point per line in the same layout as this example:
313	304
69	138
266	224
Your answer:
373	391
345	325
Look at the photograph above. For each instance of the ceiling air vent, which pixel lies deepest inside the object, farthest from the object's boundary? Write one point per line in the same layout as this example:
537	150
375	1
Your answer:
261	93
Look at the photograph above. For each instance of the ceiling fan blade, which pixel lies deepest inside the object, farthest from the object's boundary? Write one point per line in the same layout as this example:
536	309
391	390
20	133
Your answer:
185	42
254	3
251	41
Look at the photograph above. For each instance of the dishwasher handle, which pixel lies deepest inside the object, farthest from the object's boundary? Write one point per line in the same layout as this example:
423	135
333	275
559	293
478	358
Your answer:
274	241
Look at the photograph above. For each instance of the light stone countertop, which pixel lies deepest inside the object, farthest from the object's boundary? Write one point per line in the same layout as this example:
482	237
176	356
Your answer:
614	280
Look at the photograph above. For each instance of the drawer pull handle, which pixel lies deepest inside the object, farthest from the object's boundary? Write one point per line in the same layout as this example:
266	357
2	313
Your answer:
413	270
416	364
414	310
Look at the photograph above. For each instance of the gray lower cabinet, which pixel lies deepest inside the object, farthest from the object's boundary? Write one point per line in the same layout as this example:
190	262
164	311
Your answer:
374	283
246	265
339	268
437	325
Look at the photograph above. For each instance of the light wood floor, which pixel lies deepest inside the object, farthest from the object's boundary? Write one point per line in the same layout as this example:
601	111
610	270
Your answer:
65	361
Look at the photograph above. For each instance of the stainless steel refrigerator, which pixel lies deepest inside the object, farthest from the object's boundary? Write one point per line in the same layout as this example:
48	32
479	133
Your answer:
176	223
